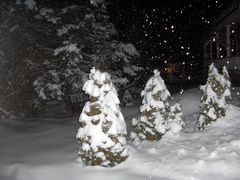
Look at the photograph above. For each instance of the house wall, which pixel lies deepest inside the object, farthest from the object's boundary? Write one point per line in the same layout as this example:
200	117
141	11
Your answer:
223	46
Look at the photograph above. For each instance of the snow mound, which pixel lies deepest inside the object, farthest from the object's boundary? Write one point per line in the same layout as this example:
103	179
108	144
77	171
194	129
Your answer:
190	101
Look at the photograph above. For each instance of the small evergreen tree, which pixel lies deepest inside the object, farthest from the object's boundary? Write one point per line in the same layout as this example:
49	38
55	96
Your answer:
102	132
157	115
175	122
213	104
209	106
227	85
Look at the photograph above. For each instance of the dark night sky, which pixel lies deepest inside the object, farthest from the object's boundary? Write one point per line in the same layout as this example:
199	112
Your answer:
166	31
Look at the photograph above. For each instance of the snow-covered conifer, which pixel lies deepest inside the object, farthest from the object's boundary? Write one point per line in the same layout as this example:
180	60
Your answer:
213	104
227	85
103	129
209	106
157	115
54	52
175	122
83	42
217	83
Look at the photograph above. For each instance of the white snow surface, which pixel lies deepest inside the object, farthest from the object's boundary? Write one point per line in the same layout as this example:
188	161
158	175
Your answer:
190	101
45	150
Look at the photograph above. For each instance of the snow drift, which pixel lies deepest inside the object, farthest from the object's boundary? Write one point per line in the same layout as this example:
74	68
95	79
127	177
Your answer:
43	150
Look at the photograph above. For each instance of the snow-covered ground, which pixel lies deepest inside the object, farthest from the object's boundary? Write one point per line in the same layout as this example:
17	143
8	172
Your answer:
46	150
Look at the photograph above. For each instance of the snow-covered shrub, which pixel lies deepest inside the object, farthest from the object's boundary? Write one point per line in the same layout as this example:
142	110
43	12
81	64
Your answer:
101	135
157	116
213	102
